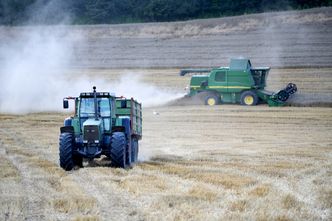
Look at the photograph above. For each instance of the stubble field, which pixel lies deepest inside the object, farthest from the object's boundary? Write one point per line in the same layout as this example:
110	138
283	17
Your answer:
197	163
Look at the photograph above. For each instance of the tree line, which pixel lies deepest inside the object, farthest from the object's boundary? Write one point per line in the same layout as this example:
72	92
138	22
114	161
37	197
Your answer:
21	12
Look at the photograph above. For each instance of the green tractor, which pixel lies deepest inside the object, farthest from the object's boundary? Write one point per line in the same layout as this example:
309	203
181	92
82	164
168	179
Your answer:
102	125
238	83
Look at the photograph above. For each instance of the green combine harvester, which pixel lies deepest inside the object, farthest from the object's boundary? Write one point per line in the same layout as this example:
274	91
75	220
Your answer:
102	125
238	83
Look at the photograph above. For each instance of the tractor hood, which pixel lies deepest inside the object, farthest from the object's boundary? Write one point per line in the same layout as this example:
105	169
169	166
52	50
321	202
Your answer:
92	122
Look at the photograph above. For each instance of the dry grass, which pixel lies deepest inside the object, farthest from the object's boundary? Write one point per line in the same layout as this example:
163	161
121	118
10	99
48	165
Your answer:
239	206
143	184
260	191
86	218
203	193
325	198
289	202
74	204
200	163
219	172
8	170
229	181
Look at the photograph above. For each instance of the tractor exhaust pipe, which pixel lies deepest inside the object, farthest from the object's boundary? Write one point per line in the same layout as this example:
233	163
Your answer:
95	102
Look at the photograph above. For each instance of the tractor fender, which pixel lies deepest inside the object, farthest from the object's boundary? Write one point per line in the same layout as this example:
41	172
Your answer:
123	125
67	121
118	129
67	129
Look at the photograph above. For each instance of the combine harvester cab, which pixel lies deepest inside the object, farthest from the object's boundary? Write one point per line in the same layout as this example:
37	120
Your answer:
102	125
238	83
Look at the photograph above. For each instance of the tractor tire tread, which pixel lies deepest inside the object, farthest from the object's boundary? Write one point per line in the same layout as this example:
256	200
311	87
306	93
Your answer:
117	152
66	151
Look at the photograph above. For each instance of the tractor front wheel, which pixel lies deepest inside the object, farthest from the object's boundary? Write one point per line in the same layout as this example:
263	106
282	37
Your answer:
66	151
249	98
118	149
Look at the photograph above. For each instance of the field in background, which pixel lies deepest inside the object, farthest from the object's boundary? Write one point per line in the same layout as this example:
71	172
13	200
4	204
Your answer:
197	163
278	39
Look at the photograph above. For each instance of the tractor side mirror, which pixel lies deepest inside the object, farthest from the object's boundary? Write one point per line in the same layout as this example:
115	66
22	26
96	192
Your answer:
65	104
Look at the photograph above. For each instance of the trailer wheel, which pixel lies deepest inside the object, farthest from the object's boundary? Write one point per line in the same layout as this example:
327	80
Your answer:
129	161
118	149
212	100
66	151
249	98
134	150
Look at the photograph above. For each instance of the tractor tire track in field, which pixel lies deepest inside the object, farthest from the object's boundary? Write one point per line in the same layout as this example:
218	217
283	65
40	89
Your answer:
112	203
33	203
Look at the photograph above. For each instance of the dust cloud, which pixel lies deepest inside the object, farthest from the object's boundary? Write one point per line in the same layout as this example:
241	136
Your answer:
30	74
132	85
33	74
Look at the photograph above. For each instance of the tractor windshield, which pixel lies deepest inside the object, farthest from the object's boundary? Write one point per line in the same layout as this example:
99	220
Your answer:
87	108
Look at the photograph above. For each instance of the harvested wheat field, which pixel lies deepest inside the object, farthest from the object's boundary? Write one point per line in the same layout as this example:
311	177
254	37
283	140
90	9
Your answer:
226	162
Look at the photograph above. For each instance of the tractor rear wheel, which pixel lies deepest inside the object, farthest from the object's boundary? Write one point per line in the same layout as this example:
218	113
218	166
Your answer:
212	100
118	149
249	98
66	151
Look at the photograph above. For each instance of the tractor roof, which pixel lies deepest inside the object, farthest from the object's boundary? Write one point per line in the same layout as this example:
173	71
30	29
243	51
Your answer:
99	94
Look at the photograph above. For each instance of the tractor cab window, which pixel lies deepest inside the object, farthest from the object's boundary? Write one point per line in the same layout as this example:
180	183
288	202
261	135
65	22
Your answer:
104	110
220	76
258	76
87	108
104	107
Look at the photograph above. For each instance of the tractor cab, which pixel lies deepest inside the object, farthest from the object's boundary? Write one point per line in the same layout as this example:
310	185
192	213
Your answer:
96	109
